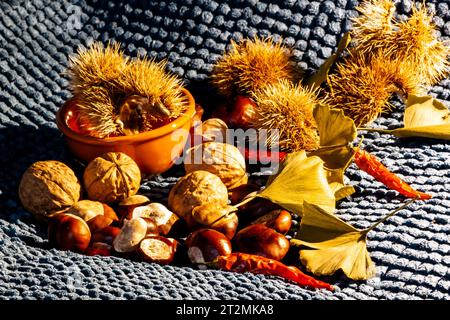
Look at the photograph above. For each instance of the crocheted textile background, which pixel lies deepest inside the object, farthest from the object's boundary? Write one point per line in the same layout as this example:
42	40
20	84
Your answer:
411	250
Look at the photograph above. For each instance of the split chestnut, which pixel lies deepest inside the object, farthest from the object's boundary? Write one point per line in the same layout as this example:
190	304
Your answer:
205	245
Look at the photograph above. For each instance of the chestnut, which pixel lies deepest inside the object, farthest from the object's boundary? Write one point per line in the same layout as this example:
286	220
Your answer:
205	245
280	220
152	227
97	215
157	249
106	235
238	194
243	113
99	249
255	208
180	250
126	206
218	217
131	234
166	221
69	232
263	241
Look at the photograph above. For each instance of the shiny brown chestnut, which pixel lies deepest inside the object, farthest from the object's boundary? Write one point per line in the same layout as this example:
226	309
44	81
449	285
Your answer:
157	249
205	245
263	241
236	195
99	249
97	215
152	227
218	217
69	232
106	235
126	206
243	114
255	209
280	220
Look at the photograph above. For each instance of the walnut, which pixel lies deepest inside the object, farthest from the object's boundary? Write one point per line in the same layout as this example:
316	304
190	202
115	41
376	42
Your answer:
194	189
222	159
48	187
112	177
214	129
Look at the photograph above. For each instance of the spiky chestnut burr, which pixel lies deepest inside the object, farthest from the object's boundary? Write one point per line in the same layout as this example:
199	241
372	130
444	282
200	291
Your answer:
362	88
148	78
288	108
122	96
417	44
251	64
97	66
413	42
373	24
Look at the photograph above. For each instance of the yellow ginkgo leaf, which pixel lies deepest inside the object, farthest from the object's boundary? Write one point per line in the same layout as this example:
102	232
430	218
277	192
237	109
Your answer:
424	117
336	157
336	132
425	112
335	129
300	178
329	244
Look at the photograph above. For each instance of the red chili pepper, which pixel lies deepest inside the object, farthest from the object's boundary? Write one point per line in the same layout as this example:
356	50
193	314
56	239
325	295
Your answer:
368	163
243	262
255	156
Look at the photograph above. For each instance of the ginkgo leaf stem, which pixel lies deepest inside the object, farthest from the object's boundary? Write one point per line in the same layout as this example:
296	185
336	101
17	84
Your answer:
375	130
389	215
247	199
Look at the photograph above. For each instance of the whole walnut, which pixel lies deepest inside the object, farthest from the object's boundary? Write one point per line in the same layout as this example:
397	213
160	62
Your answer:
214	129
112	177
194	189
222	159
48	187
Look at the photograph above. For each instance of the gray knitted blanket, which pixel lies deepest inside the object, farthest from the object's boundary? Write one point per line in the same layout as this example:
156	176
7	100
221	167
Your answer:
411	250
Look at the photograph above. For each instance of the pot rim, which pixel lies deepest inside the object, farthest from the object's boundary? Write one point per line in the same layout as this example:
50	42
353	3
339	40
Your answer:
144	136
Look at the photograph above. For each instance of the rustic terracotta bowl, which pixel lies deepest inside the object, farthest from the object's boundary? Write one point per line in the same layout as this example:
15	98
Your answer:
154	151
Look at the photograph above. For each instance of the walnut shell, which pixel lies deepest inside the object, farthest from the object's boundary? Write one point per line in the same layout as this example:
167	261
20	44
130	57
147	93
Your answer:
112	177
48	187
222	159
214	129
194	189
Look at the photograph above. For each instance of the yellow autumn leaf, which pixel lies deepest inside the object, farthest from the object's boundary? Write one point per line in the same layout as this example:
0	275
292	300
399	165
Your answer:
335	178
424	117
336	132
300	179
336	157
329	244
335	129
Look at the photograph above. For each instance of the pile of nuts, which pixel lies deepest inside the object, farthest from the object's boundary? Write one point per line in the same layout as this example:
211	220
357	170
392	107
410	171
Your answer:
200	222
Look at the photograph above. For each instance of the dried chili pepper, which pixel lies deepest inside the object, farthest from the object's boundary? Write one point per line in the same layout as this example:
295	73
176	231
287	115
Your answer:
243	262
370	164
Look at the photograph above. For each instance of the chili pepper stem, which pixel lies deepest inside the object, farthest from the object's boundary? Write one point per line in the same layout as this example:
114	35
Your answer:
389	215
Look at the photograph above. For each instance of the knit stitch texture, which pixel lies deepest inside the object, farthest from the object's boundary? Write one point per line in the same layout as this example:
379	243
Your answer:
411	250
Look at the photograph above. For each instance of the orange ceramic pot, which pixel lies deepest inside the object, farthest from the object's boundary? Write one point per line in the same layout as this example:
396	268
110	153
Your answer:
154	151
